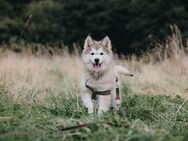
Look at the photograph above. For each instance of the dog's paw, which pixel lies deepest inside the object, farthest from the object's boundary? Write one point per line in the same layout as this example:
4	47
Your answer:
90	112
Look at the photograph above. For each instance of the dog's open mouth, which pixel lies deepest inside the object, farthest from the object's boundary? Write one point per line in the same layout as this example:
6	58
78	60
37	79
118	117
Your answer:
97	66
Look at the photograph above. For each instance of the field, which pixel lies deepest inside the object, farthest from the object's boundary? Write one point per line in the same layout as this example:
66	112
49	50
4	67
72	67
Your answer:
39	98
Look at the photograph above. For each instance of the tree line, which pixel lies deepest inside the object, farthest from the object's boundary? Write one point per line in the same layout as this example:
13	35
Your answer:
133	25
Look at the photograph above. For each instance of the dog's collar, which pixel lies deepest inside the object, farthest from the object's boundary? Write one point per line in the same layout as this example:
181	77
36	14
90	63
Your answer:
95	93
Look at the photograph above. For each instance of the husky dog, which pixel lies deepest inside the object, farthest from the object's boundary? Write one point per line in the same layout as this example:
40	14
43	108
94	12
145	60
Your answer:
100	80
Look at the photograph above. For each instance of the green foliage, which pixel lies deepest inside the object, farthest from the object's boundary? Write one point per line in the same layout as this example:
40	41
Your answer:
45	23
147	118
133	25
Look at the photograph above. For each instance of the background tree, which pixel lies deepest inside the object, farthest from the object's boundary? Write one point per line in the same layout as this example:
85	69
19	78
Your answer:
132	25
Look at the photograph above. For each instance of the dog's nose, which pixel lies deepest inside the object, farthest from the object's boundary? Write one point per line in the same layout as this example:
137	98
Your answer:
96	60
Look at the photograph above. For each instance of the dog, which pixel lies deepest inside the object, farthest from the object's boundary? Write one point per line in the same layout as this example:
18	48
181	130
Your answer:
100	80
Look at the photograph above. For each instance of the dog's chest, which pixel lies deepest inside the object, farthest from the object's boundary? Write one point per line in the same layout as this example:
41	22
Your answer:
101	84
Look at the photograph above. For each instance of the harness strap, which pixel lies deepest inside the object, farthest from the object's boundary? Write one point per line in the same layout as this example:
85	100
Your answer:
95	93
117	90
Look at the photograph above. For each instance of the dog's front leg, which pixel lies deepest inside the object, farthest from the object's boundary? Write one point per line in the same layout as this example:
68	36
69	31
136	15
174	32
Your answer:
87	101
104	104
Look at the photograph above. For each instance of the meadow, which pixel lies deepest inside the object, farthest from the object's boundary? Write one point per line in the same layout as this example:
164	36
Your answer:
39	98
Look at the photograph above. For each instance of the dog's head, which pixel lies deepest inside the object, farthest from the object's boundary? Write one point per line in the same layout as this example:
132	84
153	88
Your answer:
97	55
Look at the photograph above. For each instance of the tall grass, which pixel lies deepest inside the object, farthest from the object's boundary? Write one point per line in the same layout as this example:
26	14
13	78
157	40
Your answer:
39	95
164	70
29	78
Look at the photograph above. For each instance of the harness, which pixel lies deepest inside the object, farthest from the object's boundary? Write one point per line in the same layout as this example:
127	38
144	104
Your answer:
95	93
107	92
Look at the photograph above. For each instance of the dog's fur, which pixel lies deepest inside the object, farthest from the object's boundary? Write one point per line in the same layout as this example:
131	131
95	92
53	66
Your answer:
101	74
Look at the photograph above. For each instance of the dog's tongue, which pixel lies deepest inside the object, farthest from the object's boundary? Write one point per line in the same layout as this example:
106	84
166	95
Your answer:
96	67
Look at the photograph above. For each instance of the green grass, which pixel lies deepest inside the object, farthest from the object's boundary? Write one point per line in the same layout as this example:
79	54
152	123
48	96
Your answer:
156	118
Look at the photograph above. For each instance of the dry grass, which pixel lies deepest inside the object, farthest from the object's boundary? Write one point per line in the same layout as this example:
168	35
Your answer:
163	71
28	78
164	78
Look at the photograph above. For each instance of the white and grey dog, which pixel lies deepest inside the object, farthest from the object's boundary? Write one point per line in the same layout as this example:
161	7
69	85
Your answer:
100	81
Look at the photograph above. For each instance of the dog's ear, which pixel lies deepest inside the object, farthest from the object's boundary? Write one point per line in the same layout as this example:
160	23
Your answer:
106	42
88	42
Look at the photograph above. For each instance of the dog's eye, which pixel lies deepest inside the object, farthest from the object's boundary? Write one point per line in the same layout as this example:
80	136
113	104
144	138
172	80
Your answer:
101	53
92	53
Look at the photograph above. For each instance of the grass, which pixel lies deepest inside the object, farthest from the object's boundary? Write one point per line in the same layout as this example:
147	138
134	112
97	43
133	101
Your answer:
147	118
39	96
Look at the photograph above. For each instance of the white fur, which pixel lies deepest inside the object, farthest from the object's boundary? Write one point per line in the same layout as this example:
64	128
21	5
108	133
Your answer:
102	78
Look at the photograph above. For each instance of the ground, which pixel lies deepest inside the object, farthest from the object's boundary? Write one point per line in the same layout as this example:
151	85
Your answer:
147	118
39	97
